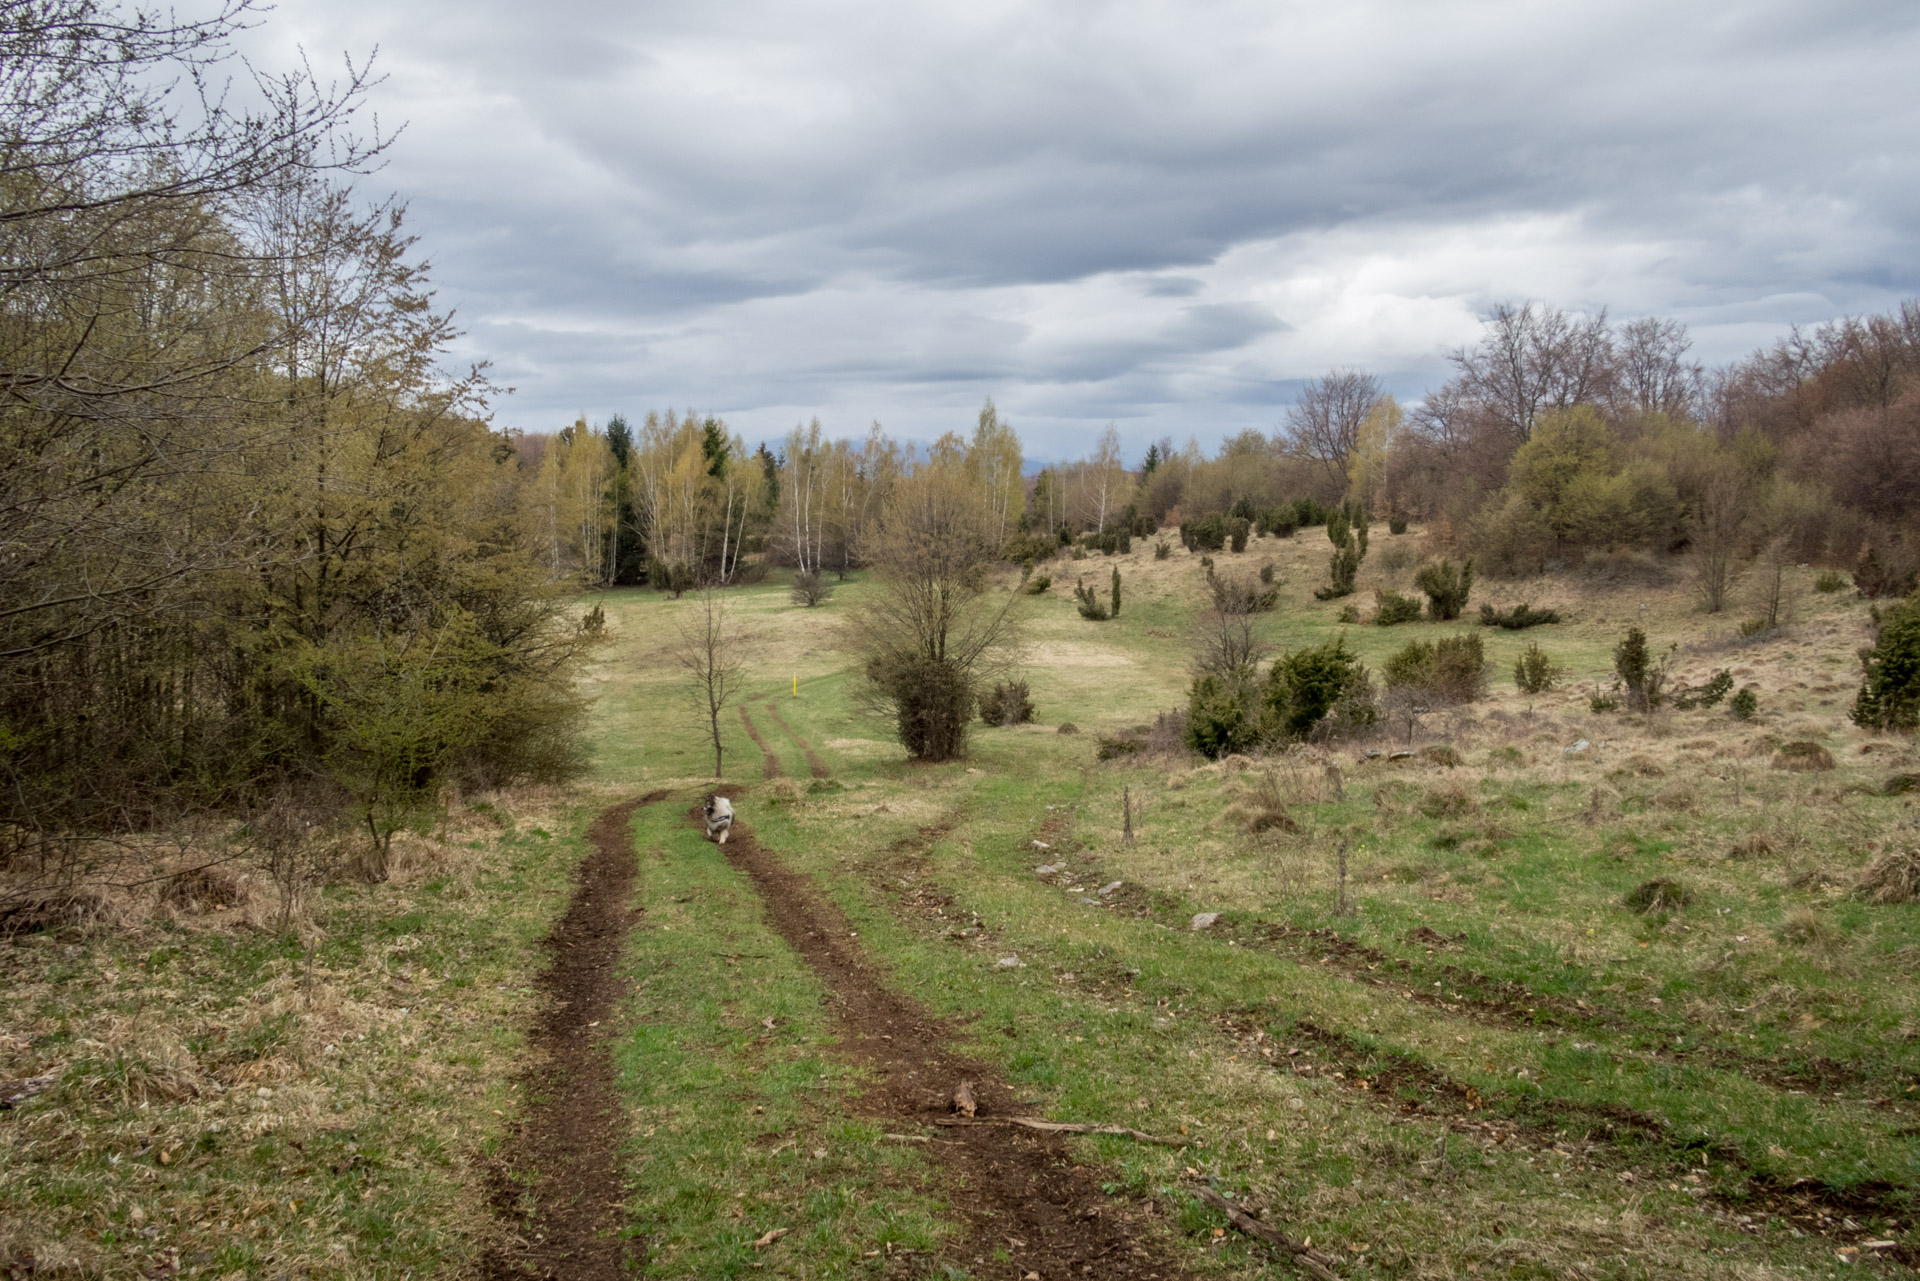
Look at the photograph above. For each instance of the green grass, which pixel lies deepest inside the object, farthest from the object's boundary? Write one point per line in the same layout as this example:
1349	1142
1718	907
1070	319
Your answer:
740	1127
1682	1018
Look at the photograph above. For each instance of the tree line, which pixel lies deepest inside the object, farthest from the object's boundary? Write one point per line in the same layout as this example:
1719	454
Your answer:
258	544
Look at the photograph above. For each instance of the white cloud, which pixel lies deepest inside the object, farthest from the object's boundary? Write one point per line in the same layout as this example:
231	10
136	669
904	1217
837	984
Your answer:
1166	214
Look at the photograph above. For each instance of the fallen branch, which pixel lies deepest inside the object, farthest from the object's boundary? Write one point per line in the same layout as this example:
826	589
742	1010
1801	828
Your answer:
14	1093
1061	1127
1306	1256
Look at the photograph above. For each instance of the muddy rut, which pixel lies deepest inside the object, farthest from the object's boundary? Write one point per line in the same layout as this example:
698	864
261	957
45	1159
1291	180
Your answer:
1012	1189
769	763
560	1192
815	766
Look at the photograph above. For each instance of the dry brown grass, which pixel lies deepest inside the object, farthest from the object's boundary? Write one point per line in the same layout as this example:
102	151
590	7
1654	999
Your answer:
1802	755
1894	877
214	1078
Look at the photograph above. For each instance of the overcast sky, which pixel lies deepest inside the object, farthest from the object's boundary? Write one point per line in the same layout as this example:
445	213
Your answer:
1163	215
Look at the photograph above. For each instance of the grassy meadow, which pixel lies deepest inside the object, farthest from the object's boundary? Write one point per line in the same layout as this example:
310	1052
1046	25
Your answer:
1468	1056
1723	1085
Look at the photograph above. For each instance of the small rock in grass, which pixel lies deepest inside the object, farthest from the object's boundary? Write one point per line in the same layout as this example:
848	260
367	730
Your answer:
1578	747
1110	887
1203	920
1008	962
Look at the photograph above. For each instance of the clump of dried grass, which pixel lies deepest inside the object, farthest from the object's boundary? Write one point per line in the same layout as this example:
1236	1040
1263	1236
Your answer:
1806	927
204	888
1637	766
1451	801
1802	755
1754	846
1261	804
1894	877
1658	895
1678	797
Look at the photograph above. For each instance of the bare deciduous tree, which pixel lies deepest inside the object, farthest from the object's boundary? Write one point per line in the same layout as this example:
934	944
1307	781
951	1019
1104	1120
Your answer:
1324	423
1532	359
713	652
1651	372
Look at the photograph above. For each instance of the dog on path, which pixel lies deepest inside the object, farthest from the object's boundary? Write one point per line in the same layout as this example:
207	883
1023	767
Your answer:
719	815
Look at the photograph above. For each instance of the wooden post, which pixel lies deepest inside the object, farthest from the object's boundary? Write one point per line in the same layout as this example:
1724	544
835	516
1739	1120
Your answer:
1126	815
1343	878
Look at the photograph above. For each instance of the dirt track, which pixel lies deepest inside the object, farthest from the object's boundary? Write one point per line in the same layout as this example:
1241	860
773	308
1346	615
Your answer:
560	1193
1013	1189
815	766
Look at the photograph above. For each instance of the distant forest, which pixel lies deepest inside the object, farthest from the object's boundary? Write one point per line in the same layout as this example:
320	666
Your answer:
1559	437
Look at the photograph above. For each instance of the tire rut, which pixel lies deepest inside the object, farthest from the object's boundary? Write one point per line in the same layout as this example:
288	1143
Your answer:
561	1193
815	766
1013	1189
769	763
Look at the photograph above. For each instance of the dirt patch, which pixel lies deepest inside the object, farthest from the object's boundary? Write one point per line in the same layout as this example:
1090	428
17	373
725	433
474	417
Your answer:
815	766
560	1191
1015	1189
770	764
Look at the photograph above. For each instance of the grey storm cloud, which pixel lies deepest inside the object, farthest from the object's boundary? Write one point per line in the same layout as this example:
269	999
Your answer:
1162	214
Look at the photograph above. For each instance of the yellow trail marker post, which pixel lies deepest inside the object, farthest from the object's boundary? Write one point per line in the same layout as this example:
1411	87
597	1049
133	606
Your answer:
796	685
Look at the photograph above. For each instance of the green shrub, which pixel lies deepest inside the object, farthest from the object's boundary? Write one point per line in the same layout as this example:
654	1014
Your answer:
1452	669
1218	722
1745	705
1162	549
1347	531
1266	574
675	579
1391	608
1889	695
1749	628
1708	695
1208	535
1348	614
1519	618
1324	688
1113	747
1238	527
1038	586
1030	549
933	702
1396	525
1642	676
1116	591
1829	581
1600	703
1280	522
594	622
1007	703
1534	672
1091	606
1447	589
